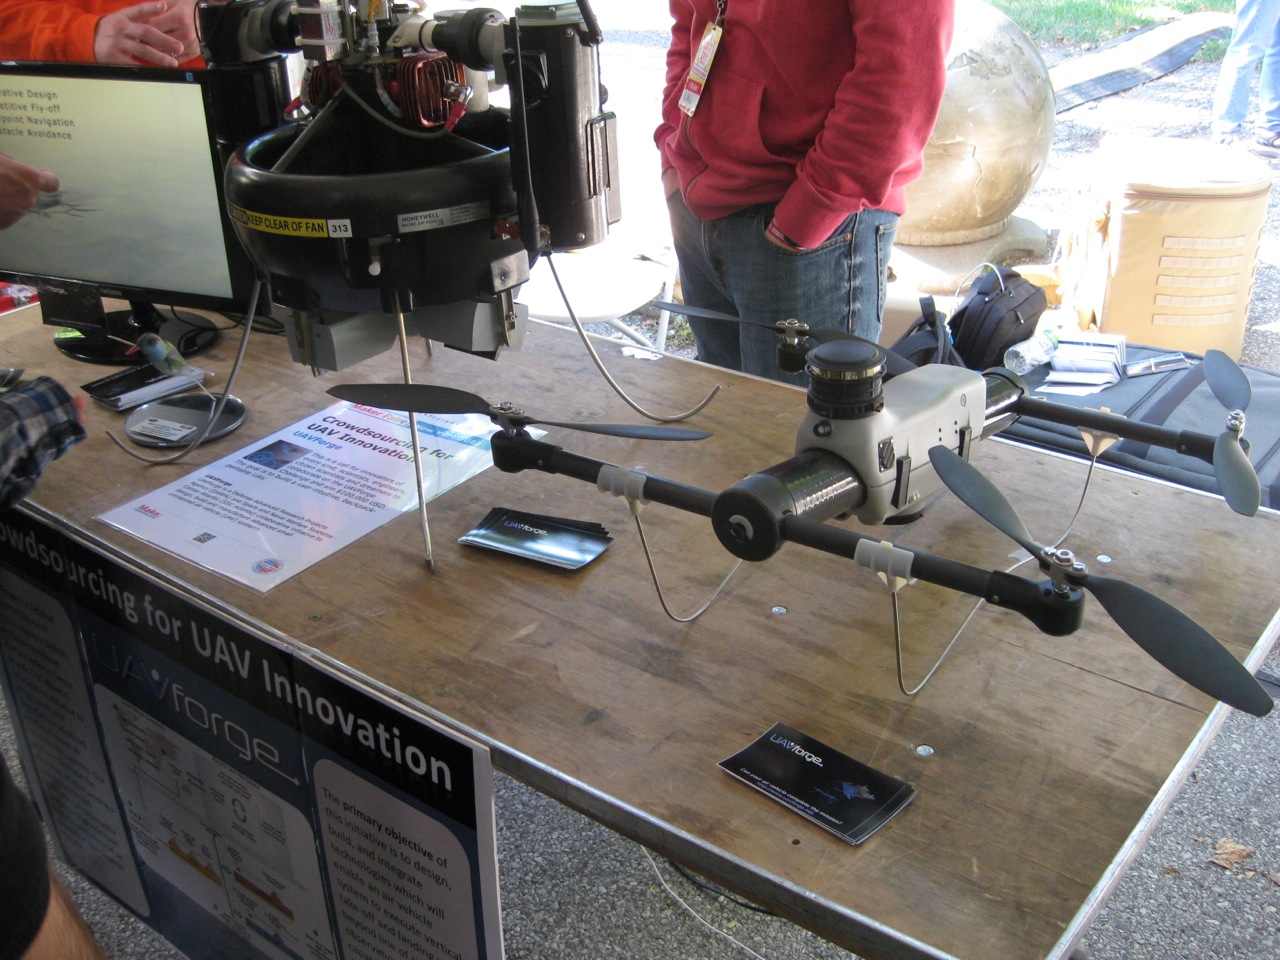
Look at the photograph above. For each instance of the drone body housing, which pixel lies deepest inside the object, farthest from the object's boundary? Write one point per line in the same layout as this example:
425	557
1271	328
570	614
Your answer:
888	450
867	458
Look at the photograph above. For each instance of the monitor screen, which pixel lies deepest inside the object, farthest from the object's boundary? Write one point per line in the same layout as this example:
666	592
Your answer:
139	215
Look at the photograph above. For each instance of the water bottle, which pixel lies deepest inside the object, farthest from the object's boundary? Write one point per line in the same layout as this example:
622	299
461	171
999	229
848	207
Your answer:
1026	356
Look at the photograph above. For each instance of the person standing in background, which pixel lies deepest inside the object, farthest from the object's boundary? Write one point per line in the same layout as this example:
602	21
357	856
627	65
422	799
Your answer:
1255	37
788	134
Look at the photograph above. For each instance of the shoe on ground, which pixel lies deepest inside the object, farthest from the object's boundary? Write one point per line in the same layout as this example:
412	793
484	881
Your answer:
1267	145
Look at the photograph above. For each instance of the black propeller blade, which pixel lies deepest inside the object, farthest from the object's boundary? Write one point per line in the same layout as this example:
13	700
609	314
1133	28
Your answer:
1182	646
1237	479
1167	634
1227	381
982	497
425	398
895	365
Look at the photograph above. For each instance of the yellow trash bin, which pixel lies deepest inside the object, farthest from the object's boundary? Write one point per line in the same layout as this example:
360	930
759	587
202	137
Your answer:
1163	244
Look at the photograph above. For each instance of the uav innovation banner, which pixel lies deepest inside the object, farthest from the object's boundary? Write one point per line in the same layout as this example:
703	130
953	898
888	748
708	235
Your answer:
245	800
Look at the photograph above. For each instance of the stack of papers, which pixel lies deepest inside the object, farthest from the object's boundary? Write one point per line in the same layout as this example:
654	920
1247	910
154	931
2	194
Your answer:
270	510
1085	363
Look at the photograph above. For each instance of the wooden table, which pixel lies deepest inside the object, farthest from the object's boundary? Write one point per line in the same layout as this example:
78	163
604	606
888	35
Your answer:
1049	758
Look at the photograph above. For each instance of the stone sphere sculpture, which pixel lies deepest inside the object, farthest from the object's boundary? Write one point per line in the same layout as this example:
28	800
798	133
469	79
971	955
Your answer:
992	138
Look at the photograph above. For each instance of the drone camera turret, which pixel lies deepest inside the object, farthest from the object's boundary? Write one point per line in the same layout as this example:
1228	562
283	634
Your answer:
846	379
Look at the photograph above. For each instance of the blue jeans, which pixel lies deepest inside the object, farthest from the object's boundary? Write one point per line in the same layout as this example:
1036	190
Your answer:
1256	36
730	266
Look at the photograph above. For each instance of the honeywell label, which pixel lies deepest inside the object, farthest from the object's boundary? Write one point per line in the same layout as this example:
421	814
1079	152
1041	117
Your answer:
446	217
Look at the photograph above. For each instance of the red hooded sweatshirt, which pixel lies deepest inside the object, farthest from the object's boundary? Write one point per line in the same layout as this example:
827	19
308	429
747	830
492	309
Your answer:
824	106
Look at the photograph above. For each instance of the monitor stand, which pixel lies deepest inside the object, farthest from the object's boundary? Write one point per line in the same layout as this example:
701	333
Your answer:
95	336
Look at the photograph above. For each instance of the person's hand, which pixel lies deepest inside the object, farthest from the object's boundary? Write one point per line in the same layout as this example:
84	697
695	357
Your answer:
780	239
20	186
670	181
179	22
131	35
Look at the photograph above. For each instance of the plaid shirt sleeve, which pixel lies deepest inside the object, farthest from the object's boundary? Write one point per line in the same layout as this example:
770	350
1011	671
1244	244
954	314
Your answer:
38	423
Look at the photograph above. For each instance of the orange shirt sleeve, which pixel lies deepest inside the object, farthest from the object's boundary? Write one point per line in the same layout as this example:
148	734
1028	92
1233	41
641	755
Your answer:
45	30
42	30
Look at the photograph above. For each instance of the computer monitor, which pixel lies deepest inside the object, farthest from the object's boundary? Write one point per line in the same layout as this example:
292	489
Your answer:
140	213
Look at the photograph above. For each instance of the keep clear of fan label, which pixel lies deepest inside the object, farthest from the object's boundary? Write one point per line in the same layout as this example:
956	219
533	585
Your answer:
289	226
162	429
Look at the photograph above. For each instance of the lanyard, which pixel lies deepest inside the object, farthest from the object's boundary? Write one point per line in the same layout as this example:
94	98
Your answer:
700	69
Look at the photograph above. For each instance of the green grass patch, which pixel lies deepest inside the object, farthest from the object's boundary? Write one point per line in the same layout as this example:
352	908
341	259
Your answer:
1087	23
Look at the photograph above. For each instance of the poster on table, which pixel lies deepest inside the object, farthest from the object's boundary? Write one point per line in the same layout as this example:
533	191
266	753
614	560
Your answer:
244	799
272	509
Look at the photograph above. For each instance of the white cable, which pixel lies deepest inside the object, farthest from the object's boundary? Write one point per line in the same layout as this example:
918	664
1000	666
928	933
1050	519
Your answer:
346	90
635	506
978	269
694	913
221	401
595	357
897	626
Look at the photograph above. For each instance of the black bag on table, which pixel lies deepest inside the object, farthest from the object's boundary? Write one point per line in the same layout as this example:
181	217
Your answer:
1176	400
1000	309
928	339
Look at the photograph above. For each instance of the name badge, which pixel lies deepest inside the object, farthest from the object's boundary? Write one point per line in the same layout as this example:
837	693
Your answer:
696	82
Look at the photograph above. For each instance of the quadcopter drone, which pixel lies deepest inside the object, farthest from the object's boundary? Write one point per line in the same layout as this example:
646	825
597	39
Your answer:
880	437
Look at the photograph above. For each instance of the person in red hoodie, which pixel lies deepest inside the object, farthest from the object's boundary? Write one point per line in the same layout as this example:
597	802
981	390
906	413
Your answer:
159	33
784	160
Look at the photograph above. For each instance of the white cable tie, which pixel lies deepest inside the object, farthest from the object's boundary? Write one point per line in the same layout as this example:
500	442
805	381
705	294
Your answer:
1097	442
891	564
628	483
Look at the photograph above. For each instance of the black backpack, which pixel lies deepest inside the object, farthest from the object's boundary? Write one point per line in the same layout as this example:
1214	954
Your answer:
1000	309
928	339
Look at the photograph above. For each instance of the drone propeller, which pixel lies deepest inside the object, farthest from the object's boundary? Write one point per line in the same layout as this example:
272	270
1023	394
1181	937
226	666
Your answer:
424	398
895	364
1236	476
1227	381
1167	634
